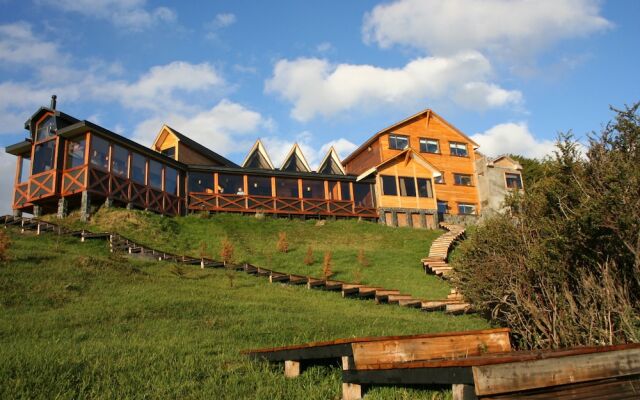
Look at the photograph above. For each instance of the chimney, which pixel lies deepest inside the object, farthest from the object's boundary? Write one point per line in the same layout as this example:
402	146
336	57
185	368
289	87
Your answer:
53	102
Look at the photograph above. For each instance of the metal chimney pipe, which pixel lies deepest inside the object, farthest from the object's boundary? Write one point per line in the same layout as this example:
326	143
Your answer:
53	102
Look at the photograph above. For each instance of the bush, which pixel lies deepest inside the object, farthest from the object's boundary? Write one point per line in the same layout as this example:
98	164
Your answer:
283	244
564	269
308	258
327	265
226	253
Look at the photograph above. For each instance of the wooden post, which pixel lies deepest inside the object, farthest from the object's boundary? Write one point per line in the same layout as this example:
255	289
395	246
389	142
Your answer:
463	392
350	391
85	206
63	205
291	368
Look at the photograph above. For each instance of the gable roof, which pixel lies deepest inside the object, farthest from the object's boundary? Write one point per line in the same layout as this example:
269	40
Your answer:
295	161
331	164
426	112
258	157
516	164
197	147
407	154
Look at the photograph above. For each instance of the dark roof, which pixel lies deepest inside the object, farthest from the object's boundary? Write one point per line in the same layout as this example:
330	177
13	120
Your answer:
203	150
330	166
257	160
84	126
275	172
58	114
19	148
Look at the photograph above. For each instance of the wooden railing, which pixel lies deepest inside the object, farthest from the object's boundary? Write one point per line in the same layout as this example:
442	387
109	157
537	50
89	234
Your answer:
42	185
200	201
21	195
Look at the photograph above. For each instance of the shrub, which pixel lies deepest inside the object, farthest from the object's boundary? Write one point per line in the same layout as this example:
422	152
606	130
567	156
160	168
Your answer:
226	253
564	270
327	267
308	258
283	244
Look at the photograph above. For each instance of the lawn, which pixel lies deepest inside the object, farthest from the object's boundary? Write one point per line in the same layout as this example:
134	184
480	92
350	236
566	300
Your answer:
392	254
79	322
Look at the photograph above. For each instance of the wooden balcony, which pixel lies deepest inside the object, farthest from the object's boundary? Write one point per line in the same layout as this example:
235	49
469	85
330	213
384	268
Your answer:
199	201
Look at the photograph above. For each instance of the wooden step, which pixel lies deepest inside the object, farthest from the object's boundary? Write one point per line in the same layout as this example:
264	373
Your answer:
297	279
394	298
312	282
415	303
333	285
383	295
367	291
456	296
263	272
436	305
277	277
348	289
457	309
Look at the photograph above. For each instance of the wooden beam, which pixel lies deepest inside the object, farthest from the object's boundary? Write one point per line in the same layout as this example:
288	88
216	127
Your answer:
291	368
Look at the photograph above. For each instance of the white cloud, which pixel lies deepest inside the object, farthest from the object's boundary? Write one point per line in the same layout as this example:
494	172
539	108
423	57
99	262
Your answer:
278	148
316	87
223	20
510	27
18	45
7	167
324	47
132	15
343	147
219	128
513	138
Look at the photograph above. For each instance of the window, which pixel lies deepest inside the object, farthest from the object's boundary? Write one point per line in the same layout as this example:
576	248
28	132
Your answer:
443	207
287	187
171	181
439	179
363	195
389	187
119	160
462	180
199	182
514	181
25	168
99	152
407	186
458	149
424	187
75	153
260	186
138	168
170	152
43	156
155	174
398	142
467	209
345	190
230	184
46	129
313	189
429	146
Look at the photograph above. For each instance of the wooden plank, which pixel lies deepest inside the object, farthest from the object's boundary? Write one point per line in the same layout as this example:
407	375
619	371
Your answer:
416	376
275	277
526	375
291	368
312	282
333	285
297	279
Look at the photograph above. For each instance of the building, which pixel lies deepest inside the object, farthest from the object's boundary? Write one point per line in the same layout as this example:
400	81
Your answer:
409	174
497	177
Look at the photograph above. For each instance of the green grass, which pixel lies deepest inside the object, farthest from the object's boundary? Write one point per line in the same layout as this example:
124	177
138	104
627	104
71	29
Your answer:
78	322
393	253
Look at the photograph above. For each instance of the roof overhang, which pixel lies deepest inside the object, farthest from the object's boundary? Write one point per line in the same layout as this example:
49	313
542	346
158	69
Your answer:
406	154
19	148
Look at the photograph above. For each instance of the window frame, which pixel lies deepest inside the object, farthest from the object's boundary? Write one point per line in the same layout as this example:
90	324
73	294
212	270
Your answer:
393	139
67	154
455	181
506	180
471	205
112	157
426	150
132	157
395	185
36	139
149	180
442	180
253	180
92	143
220	190
451	147
404	189
429	188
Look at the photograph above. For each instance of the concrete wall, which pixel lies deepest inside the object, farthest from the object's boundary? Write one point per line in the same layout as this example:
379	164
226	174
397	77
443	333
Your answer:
492	186
408	217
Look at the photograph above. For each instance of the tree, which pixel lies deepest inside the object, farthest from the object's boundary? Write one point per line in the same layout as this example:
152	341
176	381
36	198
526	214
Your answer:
327	265
283	243
308	258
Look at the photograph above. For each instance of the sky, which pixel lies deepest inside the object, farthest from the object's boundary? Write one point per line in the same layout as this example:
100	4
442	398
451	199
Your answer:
509	73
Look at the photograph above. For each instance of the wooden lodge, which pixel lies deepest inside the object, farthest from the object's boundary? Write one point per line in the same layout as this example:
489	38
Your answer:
410	174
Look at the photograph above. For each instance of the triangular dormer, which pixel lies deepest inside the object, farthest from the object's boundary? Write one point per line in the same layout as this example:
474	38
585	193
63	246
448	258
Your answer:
258	157
295	161
331	164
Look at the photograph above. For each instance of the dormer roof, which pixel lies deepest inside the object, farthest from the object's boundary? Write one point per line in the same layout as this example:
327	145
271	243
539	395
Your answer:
407	154
331	164
193	145
257	157
295	160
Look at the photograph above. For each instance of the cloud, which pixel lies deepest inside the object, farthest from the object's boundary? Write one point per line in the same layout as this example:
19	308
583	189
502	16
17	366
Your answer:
8	167
343	147
18	45
132	15
219	22
324	47
219	128
316	87
512	138
510	27
278	148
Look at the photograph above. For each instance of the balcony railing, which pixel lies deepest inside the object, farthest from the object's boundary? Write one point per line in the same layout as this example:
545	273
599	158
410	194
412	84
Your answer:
201	201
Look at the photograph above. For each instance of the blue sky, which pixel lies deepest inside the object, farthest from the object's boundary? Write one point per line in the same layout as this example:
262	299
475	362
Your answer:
509	73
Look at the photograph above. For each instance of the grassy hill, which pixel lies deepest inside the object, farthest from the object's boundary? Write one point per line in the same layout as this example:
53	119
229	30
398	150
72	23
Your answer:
79	322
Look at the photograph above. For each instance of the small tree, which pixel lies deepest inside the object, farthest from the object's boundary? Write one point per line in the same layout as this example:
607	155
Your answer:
308	258
327	267
226	253
362	259
283	244
5	243
357	275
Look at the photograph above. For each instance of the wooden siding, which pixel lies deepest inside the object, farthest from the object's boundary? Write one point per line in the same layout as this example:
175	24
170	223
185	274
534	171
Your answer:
411	169
365	160
190	156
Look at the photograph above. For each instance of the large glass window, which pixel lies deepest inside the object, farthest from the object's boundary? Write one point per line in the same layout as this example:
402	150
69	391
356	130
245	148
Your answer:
200	182
389	187
170	152
514	181
119	160
345	191
312	189
75	153
46	129
138	168
259	185
424	187
429	146
458	149
230	184
363	195
287	187
462	179
170	181
43	157
398	142
468	209
25	168
407	186
155	174
99	152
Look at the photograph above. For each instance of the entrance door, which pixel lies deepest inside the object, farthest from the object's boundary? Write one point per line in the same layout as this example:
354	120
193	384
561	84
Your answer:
443	208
